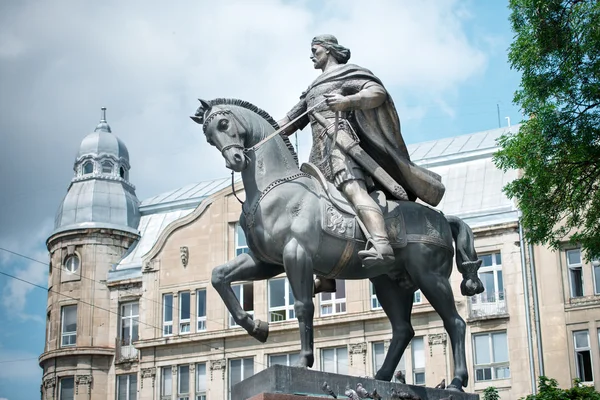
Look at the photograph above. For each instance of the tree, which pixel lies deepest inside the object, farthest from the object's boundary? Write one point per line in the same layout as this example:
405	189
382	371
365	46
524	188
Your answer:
557	50
549	390
491	393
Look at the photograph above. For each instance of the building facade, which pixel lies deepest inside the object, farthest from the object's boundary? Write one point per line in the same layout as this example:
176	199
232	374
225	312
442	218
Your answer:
132	313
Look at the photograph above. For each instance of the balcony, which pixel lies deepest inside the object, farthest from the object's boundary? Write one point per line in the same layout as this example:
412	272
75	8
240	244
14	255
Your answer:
125	352
487	306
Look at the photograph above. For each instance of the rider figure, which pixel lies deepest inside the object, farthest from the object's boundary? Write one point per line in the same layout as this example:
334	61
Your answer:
343	94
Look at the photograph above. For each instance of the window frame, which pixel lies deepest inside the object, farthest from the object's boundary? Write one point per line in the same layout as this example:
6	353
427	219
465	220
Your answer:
127	396
239	249
333	302
181	395
200	319
163	395
493	365
290	312
60	386
67	334
375	304
243	376
570	271
596	265
200	394
185	326
68	266
420	370
497	273
84	165
336	362
105	164
242	285
289	356
134	320
577	350
167	325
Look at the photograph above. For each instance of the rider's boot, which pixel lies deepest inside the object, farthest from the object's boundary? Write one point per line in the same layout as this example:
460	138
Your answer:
380	253
324	285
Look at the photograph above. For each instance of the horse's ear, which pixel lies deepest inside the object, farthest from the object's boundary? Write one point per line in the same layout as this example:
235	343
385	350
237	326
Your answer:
205	104
197	120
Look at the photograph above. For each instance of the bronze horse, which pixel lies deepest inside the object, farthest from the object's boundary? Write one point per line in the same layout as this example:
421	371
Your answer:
292	226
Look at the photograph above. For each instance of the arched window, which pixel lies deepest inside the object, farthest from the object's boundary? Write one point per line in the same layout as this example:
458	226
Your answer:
122	172
88	168
72	263
107	167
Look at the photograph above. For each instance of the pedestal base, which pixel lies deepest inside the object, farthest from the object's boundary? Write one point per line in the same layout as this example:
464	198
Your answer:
290	383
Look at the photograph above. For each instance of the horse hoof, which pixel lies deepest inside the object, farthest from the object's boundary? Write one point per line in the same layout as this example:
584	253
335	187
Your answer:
261	331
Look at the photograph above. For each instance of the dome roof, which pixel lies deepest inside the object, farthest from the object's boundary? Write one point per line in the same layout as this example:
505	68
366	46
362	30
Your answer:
98	203
103	142
100	194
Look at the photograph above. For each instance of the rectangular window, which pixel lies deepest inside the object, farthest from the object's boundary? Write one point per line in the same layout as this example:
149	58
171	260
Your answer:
335	360
575	272
240	369
69	326
375	305
201	309
418	360
244	292
241	246
201	381
166	384
183	384
167	315
490	274
596	267
284	359
583	356
127	387
281	300
417	297
379	357
66	388
334	303
129	323
491	356
184	312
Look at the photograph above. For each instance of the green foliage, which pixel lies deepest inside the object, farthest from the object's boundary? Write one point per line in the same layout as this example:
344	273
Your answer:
491	393
557	50
549	390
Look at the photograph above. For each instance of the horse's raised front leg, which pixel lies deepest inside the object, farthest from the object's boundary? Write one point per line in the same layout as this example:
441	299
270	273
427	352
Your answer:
397	305
244	267
299	270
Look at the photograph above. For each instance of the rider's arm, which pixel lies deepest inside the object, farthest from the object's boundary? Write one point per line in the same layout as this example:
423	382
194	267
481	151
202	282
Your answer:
372	95
296	111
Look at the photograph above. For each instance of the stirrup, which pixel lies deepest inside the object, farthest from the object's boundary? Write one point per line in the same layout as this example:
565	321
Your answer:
379	254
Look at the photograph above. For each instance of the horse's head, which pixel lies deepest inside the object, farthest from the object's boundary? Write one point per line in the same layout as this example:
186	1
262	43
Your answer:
224	131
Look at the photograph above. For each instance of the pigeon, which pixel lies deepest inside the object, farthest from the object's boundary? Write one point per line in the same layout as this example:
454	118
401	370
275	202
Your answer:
442	384
403	395
327	390
394	394
362	392
400	377
351	393
375	395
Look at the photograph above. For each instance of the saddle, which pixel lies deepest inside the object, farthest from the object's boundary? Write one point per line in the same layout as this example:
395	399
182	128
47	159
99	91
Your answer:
339	218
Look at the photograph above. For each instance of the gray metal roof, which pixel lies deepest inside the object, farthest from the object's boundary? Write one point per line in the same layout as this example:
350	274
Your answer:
102	142
98	203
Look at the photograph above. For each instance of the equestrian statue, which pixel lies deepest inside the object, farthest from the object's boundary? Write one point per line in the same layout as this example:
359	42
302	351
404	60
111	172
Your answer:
349	213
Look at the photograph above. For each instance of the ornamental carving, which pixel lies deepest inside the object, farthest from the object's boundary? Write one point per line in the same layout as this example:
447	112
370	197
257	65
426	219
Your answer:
83	380
184	253
148	373
49	383
437	338
358	348
218	365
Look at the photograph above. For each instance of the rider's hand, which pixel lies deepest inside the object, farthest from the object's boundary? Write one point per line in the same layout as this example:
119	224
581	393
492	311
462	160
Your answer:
337	102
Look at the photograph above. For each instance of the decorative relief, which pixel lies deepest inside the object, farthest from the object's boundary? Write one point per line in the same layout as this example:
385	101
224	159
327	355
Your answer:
49	383
174	370
437	338
358	348
83	380
218	365
151	266
184	253
192	368
336	222
148	373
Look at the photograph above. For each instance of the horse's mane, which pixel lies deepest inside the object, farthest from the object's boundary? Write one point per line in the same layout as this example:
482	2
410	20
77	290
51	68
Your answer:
251	107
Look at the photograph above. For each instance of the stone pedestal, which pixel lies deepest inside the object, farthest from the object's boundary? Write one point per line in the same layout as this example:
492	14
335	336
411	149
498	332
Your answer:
289	383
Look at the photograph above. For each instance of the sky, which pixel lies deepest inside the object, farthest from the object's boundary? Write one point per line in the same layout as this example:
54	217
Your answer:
443	61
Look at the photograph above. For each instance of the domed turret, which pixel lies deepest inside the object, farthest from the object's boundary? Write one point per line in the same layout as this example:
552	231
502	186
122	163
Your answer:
100	194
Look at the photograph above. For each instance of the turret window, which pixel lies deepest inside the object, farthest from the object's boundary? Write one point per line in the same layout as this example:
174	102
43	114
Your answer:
72	263
122	172
88	168
107	167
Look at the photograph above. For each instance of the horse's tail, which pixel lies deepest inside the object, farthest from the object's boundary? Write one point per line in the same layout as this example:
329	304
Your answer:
466	257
